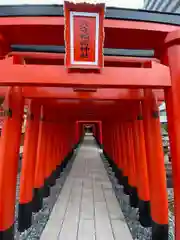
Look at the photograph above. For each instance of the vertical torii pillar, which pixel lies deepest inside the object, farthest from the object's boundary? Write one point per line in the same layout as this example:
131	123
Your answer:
141	168
172	96
119	174
117	152
132	167
48	170
28	166
100	134
114	149
156	168
53	154
9	156
76	133
125	179
40	166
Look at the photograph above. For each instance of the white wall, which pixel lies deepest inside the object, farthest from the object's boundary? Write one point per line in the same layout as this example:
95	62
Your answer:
115	3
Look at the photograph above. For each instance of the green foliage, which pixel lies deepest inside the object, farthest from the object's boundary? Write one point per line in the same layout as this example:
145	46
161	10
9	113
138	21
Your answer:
165	126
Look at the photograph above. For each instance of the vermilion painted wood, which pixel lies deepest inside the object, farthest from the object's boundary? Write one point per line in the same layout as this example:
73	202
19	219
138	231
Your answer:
68	93
29	153
48	151
124	149
158	76
100	94
59	57
155	156
119	148
173	114
9	169
41	152
131	156
50	30
96	110
140	153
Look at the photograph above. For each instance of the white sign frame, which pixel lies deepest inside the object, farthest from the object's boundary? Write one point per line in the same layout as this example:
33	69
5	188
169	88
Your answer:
84	14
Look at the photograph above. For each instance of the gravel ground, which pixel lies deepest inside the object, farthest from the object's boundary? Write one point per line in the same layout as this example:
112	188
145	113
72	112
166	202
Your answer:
40	219
131	214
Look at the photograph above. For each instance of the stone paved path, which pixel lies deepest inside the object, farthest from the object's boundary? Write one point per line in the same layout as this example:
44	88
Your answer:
87	208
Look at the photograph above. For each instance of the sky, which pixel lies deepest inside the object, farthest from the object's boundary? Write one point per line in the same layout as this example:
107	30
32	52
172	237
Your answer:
116	3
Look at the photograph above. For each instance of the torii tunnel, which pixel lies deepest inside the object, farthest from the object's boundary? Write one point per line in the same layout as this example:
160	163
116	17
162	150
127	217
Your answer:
141	69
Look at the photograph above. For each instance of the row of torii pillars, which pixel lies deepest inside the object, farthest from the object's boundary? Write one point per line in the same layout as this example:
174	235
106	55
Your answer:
48	145
138	162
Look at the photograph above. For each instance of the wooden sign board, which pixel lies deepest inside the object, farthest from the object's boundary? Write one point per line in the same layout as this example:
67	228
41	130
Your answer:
84	35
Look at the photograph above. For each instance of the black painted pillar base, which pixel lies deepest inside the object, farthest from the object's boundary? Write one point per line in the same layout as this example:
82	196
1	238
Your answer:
126	185
58	171
7	234
76	145
107	158
70	154
24	216
115	170
97	141
46	192
38	199
145	214
68	157
119	176
159	231
110	162
52	178
101	146
133	197
62	166
65	162
105	154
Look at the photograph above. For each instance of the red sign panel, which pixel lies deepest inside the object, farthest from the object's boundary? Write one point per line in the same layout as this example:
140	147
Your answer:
84	39
84	35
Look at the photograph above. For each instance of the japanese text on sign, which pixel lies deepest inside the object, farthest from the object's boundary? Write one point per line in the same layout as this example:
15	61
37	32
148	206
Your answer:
84	39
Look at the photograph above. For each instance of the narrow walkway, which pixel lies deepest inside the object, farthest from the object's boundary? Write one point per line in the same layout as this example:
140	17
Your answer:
87	208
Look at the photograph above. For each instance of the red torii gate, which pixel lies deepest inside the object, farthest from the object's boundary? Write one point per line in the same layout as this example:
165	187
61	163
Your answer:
123	96
97	129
